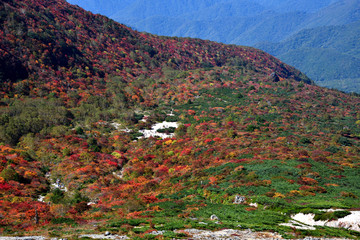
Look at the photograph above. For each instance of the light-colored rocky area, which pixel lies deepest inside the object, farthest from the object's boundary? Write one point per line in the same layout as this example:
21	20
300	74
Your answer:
154	133
225	234
306	221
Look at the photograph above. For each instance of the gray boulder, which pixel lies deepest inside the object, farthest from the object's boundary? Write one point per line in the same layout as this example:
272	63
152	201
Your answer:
239	199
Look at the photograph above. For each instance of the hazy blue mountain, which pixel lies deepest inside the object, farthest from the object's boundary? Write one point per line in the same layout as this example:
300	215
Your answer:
338	13
326	54
107	8
244	22
343	38
304	33
295	5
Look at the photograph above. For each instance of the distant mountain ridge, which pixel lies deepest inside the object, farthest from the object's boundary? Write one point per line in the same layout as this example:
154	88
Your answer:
313	13
329	54
255	23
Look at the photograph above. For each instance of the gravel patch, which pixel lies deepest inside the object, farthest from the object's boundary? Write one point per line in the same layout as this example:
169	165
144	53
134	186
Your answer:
103	236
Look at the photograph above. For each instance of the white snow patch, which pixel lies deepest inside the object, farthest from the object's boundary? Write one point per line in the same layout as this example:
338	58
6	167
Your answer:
117	126
351	221
119	175
253	205
41	198
297	225
153	131
171	113
145	118
59	185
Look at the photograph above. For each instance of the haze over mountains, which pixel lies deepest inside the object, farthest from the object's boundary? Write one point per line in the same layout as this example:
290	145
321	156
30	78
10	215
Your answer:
268	25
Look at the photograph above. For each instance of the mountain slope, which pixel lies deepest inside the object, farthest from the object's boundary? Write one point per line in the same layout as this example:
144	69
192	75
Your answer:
313	14
293	5
68	50
338	13
324	53
233	123
251	23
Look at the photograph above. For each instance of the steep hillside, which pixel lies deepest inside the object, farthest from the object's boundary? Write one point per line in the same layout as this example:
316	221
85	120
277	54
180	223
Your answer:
76	54
253	23
105	129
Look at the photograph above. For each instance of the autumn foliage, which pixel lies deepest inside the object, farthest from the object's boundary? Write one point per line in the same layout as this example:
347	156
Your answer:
72	149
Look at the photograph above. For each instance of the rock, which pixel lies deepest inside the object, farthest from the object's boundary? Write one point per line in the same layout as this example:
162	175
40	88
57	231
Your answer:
156	233
107	233
214	217
253	205
239	199
274	77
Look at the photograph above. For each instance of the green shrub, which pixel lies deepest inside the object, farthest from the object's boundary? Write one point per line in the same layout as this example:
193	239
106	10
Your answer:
331	215
305	140
9	173
251	128
332	149
63	220
57	196
344	141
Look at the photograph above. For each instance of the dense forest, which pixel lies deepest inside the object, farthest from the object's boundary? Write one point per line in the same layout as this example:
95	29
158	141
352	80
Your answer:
80	94
329	27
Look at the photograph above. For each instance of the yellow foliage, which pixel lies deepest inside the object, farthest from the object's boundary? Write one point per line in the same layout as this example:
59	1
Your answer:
294	193
20	199
59	209
278	195
30	174
231	155
351	165
332	184
239	168
116	154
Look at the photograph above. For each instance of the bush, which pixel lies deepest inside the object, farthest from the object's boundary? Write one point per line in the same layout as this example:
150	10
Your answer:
251	128
331	215
304	140
9	173
344	141
57	196
332	149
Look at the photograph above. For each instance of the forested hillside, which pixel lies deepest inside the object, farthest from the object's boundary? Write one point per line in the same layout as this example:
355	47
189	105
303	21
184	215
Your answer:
329	54
108	130
255	23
